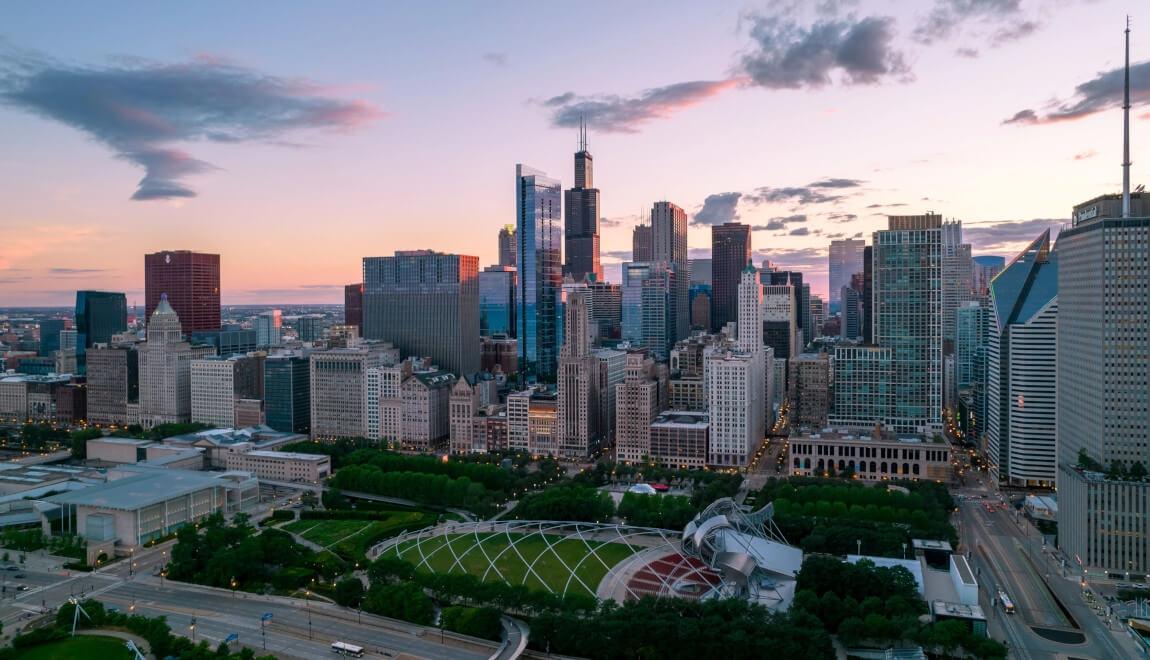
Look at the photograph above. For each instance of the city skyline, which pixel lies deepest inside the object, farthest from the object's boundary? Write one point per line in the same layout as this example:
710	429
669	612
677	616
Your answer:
323	138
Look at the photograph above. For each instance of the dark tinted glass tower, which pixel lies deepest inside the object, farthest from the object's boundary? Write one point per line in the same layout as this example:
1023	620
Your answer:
99	315
669	245
426	303
539	258
191	281
497	301
730	253
353	304
50	330
581	210
287	393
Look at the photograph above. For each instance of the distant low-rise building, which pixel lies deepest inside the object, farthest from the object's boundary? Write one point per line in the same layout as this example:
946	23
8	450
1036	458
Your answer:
878	457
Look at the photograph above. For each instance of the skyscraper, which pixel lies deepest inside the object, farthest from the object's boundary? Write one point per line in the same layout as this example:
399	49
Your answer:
730	254
426	303
641	243
539	238
1021	359
50	330
221	385
737	383
581	222
353	305
191	281
338	386
983	270
578	410
669	245
507	247
956	277
287	393
971	335
648	305
907	310
844	259
867	298
269	328
99	315
497	301
802	294
165	370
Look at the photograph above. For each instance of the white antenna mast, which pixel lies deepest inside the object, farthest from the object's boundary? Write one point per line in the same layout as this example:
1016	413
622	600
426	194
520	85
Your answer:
1126	129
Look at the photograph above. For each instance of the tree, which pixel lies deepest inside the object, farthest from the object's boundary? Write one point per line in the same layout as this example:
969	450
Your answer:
1137	471
349	591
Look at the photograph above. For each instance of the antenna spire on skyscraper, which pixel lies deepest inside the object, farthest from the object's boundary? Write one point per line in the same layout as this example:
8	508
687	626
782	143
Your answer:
582	133
1126	128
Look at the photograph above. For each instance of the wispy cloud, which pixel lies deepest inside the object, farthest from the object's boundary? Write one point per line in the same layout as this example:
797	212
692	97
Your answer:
613	113
1006	235
142	109
77	271
717	209
948	17
1102	92
787	55
800	231
1083	155
498	59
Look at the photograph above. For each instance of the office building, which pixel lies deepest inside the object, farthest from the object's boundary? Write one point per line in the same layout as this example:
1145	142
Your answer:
497	301
287	393
699	298
309	328
499	353
426	304
338	379
845	258
578	393
1021	368
802	293
471	394
269	328
353	305
867	298
191	282
507	247
532	421
610	372
426	399
165	370
581	219
850	318
983	270
638	401
737	383
641	243
539	238
730	254
99	315
113	383
1103	384
863	387
669	246
648	306
679	439
228	340
780	320
971	335
810	388
606	310
956	278
50	330
700	271
219	384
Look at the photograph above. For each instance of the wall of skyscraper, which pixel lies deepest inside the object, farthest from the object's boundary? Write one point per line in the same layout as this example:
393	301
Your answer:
539	234
191	281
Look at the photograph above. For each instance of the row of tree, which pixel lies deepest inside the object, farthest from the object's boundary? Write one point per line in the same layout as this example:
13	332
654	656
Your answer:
434	489
662	511
574	503
491	477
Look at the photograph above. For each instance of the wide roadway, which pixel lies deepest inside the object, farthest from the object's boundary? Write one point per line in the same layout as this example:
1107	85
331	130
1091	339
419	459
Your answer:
1005	557
220	613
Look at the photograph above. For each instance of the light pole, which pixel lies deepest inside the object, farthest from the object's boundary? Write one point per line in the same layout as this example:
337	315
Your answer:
307	601
192	627
233	586
859	544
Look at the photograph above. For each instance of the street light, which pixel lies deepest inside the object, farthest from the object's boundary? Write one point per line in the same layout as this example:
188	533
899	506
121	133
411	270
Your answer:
233	586
192	627
859	544
307	600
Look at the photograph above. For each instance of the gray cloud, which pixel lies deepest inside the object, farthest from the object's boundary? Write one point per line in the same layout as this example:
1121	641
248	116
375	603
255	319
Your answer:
805	259
842	217
948	17
1083	155
76	271
789	56
718	208
801	231
837	183
797	194
772	225
1004	235
1013	32
142	109
612	113
968	53
1103	92
498	59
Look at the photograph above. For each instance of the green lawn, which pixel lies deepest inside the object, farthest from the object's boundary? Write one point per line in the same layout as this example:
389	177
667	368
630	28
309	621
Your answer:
552	559
352	538
80	646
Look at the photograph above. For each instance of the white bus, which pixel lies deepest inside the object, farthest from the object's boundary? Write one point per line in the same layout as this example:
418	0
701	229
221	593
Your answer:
343	648
1007	604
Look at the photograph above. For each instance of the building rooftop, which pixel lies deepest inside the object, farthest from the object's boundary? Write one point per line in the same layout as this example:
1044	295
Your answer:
290	455
682	419
957	610
144	488
116	440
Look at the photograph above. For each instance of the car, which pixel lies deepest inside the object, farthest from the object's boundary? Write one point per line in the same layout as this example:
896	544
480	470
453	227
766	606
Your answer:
11	568
22	587
19	576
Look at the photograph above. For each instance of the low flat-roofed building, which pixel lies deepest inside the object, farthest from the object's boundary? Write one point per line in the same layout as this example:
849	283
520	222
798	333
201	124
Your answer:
877	457
18	478
118	450
146	503
278	466
679	439
216	442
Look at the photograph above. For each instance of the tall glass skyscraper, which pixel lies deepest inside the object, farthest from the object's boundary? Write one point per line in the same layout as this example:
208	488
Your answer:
497	301
99	315
730	254
539	234
647	308
669	246
287	393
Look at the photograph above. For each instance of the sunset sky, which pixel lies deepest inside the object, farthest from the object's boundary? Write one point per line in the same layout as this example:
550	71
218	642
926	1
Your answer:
296	138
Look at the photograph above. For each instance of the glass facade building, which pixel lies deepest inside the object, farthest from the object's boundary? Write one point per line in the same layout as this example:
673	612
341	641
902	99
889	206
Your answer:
287	393
539	234
647	319
99	315
497	301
